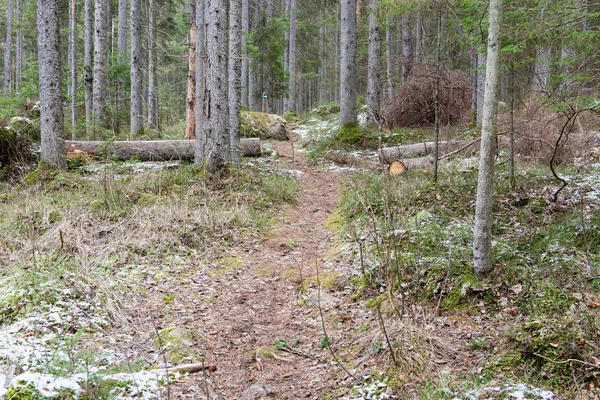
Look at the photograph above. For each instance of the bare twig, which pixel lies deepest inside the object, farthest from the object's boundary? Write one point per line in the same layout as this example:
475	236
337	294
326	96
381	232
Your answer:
570	360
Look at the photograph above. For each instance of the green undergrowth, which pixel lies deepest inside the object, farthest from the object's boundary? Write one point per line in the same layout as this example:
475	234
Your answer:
416	239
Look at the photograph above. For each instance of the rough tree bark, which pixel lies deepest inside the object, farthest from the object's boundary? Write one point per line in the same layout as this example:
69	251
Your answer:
88	60
152	87
73	64
136	112
190	116
122	41
235	71
200	76
348	63
290	102
245	31
374	67
19	47
215	132
51	113
481	65
8	48
391	154
482	233
100	63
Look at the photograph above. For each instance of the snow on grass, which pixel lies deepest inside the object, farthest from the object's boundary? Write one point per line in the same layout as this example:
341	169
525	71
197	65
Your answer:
513	392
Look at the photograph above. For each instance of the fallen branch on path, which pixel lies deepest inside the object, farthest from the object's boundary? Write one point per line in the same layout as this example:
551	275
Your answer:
187	368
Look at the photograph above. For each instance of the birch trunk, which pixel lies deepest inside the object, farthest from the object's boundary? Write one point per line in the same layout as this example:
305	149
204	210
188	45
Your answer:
88	60
245	31
291	97
482	233
136	114
407	39
51	112
100	63
73	64
215	133
235	71
8	48
374	67
19	47
348	63
152	87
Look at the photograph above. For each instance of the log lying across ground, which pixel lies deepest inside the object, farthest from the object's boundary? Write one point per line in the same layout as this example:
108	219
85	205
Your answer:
152	150
391	154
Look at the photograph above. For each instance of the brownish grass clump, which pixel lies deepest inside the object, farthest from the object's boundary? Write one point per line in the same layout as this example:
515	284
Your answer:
413	103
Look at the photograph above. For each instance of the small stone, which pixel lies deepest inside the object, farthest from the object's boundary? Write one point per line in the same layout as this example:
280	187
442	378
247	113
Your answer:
258	391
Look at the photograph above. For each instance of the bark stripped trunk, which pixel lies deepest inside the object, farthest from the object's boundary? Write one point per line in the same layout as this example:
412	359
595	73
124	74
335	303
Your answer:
215	132
100	63
136	113
8	48
152	88
51	112
482	232
348	66
19	47
190	118
374	67
88	60
235	70
73	65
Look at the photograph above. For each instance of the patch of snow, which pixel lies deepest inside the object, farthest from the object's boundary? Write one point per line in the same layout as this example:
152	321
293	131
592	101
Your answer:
516	392
47	385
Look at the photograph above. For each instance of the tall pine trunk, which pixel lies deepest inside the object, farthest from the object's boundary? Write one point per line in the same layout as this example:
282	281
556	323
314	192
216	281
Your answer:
245	31
136	113
73	64
215	132
190	116
482	233
291	97
88	60
19	47
152	87
374	67
235	71
122	42
50	83
348	63
8	48
100	63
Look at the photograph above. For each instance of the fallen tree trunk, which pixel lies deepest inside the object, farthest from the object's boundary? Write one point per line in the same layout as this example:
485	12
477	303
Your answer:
152	150
391	154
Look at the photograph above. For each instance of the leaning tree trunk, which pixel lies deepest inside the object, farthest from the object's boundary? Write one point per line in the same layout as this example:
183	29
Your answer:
152	88
88	57
290	103
482	233
8	48
348	63
374	68
215	133
190	118
73	64
245	31
136	113
19	47
51	112
100	63
235	70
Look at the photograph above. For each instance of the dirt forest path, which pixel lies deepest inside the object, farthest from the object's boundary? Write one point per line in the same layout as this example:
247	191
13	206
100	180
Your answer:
261	302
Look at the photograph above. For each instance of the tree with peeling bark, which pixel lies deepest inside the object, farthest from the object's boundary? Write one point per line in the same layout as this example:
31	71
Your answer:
49	63
190	119
482	234
214	139
235	72
374	67
348	64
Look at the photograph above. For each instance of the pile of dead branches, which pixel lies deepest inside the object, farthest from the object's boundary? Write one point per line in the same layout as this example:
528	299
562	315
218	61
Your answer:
413	104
